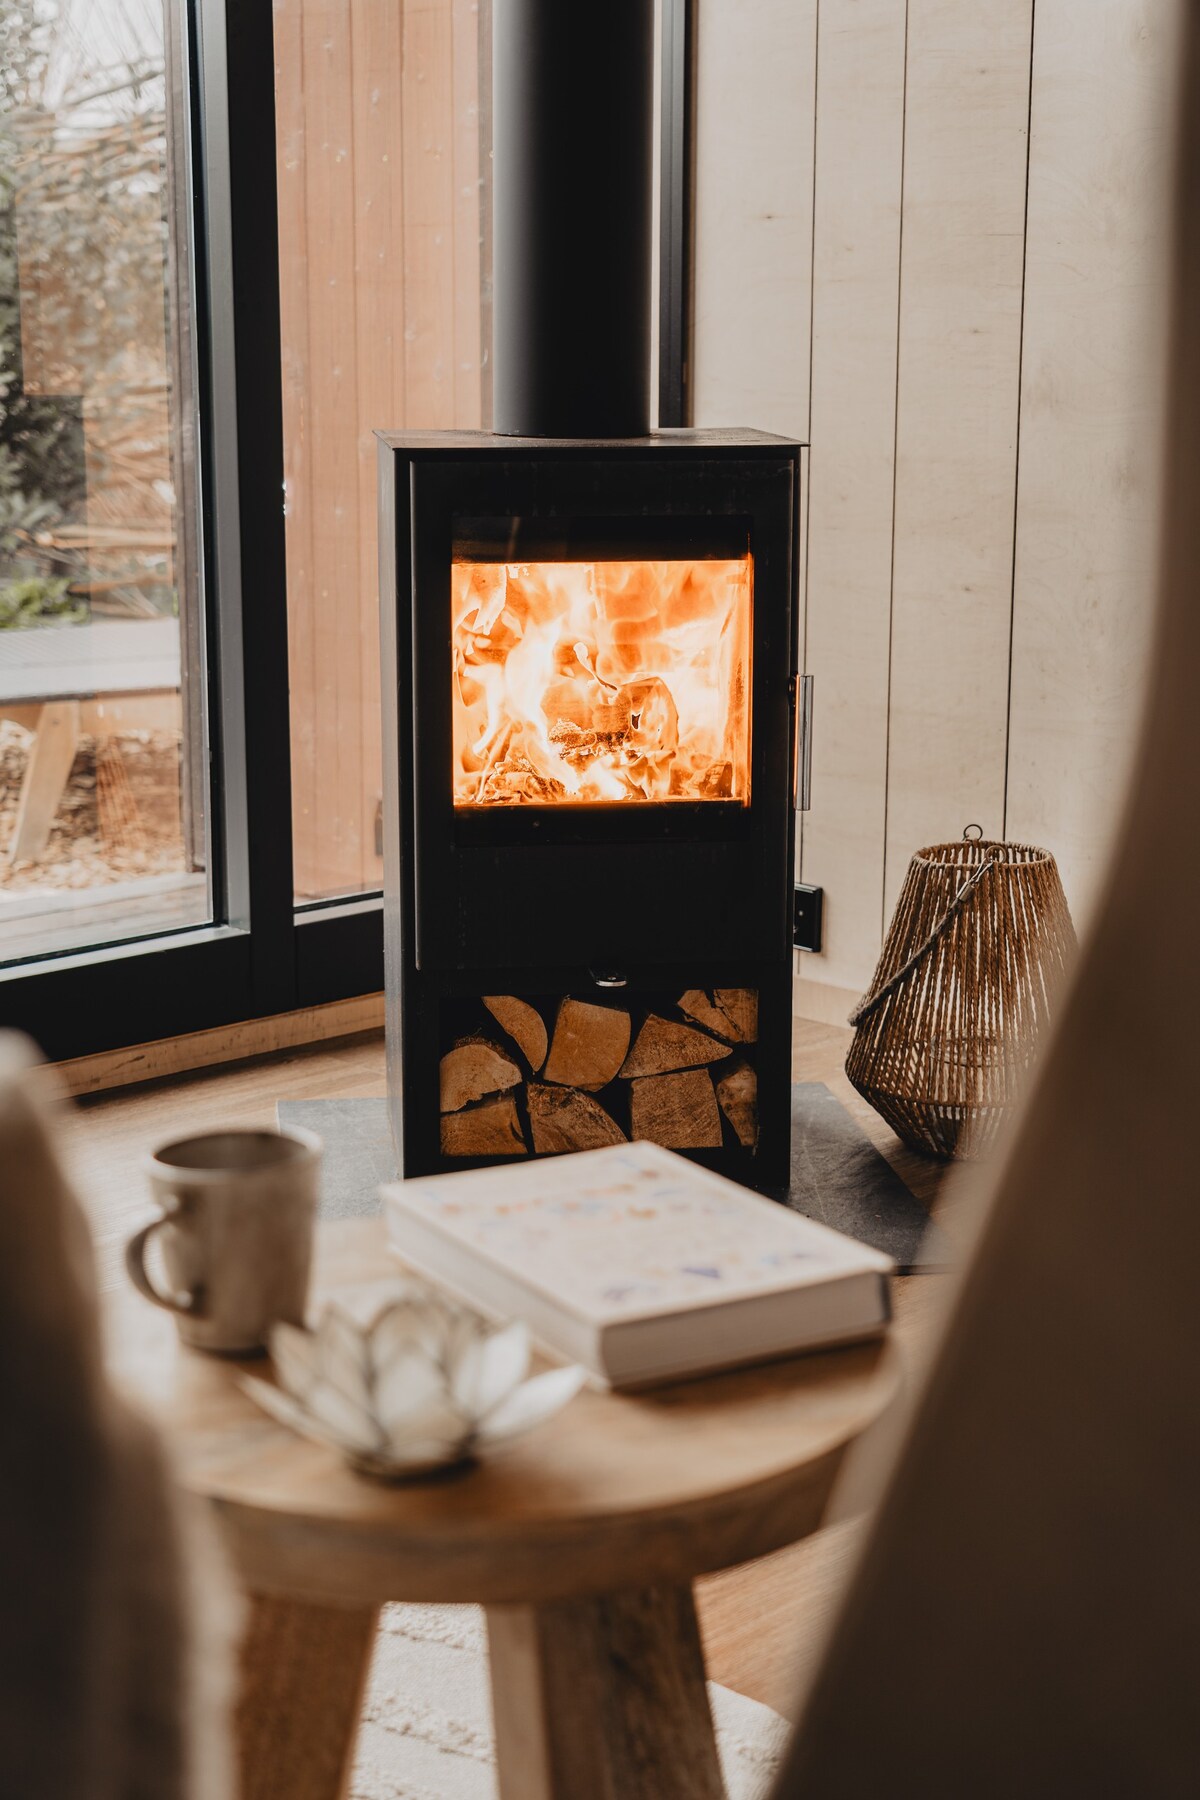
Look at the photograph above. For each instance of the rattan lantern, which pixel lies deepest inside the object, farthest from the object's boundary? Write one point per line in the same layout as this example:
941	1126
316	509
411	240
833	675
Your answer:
968	978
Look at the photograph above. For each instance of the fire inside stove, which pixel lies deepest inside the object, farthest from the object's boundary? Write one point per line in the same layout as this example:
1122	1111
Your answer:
581	683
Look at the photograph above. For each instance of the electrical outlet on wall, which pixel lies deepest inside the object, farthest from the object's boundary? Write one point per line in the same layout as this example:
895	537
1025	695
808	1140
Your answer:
807	913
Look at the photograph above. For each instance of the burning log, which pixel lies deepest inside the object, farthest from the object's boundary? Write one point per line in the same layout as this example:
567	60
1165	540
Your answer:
515	779
492	1129
678	1111
580	700
731	1012
588	1046
472	1070
737	1092
716	783
661	1046
562	1118
523	1024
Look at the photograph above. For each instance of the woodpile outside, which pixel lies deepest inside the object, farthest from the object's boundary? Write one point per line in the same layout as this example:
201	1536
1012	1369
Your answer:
538	1076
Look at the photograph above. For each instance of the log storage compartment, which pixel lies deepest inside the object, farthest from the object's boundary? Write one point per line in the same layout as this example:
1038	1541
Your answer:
521	1076
589	654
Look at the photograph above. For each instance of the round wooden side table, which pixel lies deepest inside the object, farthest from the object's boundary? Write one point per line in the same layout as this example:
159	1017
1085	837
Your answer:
581	1541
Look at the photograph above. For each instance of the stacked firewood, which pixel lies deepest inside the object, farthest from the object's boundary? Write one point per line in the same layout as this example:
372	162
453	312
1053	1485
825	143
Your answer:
686	1082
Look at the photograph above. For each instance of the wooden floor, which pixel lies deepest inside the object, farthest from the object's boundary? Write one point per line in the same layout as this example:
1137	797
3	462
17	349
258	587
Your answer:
762	1623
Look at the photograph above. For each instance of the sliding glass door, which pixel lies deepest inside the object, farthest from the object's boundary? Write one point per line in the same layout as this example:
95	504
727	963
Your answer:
104	804
236	238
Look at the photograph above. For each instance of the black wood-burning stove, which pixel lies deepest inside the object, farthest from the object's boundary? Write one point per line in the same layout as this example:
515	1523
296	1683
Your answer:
590	697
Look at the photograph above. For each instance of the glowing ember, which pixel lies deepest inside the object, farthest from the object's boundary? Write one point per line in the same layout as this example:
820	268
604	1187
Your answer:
577	683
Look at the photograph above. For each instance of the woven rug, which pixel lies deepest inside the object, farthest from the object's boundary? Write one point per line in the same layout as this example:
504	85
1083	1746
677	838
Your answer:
838	1176
427	1735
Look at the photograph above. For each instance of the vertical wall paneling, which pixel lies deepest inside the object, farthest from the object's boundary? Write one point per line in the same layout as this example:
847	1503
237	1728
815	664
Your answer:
377	48
380	209
755	70
1090	419
985	339
333	400
965	159
293	303
886	265
855	270
468	339
429	211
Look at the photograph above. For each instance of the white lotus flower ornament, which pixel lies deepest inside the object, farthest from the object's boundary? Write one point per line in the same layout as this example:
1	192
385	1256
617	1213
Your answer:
423	1384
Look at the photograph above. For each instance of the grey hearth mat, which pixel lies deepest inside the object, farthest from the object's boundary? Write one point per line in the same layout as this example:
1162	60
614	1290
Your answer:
838	1176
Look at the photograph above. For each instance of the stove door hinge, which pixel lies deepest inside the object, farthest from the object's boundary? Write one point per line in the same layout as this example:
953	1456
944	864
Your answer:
802	700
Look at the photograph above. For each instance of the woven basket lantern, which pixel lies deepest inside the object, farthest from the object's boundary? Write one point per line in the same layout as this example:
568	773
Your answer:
967	980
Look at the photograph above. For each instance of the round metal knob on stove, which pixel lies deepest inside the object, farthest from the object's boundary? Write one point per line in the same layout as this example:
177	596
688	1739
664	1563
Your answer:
608	978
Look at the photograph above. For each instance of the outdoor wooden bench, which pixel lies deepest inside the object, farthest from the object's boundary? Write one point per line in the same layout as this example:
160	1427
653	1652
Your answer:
64	681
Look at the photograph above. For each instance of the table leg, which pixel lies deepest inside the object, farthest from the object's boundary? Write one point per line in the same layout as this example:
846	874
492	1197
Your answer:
303	1672
602	1700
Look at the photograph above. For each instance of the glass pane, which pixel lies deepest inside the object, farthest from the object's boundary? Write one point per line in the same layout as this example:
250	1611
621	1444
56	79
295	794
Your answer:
598	681
382	210
102	751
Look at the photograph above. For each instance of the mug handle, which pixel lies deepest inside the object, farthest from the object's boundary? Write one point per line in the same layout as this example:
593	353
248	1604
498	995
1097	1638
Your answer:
135	1264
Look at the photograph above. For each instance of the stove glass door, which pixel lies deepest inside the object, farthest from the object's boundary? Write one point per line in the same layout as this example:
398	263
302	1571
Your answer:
600	665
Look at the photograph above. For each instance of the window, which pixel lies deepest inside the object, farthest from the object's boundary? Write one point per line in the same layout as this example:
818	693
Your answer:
276	222
103	755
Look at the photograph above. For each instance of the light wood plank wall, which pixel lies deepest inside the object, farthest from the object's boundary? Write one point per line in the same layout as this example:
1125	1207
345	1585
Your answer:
379	205
1090	419
929	242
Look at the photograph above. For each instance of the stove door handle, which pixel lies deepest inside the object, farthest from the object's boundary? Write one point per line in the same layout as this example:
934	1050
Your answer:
802	759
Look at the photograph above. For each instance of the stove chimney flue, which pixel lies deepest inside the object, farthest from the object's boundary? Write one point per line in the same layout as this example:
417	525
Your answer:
571	184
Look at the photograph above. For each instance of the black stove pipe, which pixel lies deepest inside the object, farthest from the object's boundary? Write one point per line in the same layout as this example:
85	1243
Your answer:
572	112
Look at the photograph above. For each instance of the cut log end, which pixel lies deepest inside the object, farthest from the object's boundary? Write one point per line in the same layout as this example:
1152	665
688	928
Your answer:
678	1111
740	1006
737	1094
523	1024
731	1012
492	1129
696	1004
562	1118
473	1070
588	1046
662	1045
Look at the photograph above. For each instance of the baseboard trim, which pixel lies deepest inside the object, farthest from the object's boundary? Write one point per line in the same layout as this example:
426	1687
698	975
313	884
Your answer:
819	1000
221	1044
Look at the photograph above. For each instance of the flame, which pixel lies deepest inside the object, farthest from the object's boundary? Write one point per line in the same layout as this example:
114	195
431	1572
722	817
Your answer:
579	683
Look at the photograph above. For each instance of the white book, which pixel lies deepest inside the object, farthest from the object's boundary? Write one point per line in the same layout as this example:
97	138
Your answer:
638	1264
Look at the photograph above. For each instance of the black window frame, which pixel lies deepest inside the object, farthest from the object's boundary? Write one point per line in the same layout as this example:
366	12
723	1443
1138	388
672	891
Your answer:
272	955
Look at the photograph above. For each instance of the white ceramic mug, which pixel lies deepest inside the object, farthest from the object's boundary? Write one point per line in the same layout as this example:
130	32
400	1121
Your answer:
236	1225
